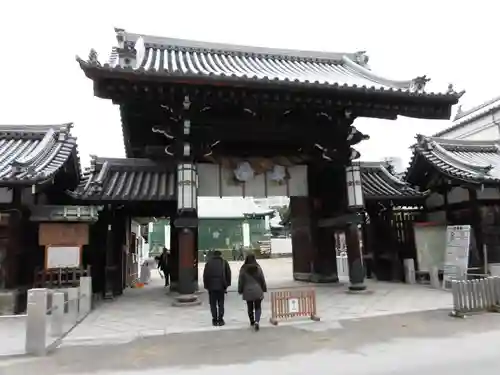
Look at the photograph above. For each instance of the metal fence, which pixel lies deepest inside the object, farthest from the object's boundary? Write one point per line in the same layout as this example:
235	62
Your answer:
51	314
472	296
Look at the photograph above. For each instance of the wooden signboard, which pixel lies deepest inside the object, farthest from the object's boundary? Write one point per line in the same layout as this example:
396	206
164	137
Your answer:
63	243
63	234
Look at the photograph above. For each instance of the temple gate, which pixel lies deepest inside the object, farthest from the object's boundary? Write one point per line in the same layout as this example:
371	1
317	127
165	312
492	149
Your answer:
215	119
205	119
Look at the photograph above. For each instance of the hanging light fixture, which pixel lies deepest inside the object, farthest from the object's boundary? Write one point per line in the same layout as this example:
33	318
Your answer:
354	186
187	187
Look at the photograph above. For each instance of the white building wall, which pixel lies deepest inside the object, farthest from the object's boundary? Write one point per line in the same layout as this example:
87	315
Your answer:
483	128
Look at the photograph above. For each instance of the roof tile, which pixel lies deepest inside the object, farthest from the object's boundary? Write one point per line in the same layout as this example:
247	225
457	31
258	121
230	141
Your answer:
378	183
32	154
111	179
465	160
178	57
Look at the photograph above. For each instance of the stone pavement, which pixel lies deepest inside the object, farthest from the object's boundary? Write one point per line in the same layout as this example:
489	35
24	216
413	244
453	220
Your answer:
13	333
149	311
427	342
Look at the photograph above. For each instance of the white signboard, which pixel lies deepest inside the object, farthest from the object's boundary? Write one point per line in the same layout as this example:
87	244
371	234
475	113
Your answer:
293	305
63	257
456	258
430	240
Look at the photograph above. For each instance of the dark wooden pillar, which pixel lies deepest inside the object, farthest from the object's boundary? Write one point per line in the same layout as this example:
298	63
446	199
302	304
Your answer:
447	210
10	236
355	204
186	223
109	264
118	245
188	248
325	260
324	188
354	258
477	226
302	246
174	256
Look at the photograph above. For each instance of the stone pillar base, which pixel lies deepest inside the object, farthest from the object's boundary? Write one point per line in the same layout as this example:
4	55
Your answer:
324	279
186	300
358	289
316	278
302	276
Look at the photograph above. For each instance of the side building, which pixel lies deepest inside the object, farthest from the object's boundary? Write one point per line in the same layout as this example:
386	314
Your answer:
463	181
37	165
480	123
458	167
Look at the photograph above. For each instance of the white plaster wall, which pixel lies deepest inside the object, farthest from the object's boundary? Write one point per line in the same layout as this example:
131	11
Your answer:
434	200
483	129
5	195
488	193
457	195
143	247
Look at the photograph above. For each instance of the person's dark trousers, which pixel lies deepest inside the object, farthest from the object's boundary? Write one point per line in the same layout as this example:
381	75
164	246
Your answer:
216	300
167	277
254	311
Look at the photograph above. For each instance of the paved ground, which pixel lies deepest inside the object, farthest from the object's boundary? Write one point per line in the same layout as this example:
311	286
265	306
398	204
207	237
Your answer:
13	331
149	311
414	343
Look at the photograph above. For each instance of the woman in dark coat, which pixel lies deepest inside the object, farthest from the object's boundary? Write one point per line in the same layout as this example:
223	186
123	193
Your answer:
252	286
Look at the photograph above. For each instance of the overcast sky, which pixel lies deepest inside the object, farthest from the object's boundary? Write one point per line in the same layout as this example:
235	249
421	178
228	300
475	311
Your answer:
450	41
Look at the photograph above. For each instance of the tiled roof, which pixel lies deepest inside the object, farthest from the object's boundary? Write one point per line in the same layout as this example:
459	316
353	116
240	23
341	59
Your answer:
463	118
33	154
378	183
110	179
167	57
470	161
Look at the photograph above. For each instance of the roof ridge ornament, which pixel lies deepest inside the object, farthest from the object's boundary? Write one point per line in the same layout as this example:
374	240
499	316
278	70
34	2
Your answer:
93	58
93	163
362	59
418	84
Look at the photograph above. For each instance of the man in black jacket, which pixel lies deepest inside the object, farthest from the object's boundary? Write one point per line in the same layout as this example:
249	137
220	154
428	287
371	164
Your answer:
216	279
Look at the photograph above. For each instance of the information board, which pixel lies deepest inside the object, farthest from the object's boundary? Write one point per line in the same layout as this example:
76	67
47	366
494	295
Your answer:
293	305
63	257
456	258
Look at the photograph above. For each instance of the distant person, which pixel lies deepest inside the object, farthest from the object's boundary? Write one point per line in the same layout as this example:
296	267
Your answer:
241	253
234	252
164	265
252	286
216	279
